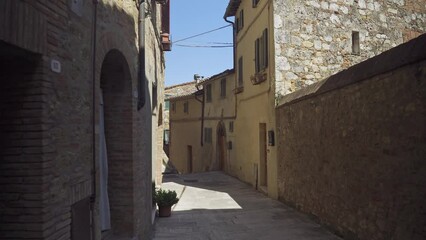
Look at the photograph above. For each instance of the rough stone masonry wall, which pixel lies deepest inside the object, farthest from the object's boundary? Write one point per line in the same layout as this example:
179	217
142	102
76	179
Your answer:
313	37
352	148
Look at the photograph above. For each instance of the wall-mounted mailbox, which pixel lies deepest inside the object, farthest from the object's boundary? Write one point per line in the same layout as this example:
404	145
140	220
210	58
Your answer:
271	138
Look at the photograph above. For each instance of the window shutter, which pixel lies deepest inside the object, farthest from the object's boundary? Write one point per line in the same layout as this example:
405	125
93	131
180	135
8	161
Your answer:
237	23
240	71
257	55
242	18
265	48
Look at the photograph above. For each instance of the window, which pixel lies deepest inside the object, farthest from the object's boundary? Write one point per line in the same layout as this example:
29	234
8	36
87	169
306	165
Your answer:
261	52
255	2
231	126
186	107
207	135
223	87
240	21
173	107
166	105
166	136
355	43
208	92
240	72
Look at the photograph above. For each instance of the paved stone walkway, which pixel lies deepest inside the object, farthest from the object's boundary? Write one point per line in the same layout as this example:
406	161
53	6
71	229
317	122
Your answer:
216	206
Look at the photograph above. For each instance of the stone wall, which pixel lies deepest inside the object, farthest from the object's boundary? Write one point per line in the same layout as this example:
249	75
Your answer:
352	148
313	39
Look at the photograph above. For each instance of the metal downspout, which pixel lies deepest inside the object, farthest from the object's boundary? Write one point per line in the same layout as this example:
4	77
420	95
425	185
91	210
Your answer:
234	39
202	119
93	196
202	113
142	74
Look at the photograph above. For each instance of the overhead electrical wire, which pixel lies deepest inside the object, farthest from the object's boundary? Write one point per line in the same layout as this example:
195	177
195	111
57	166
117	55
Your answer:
202	42
200	34
204	46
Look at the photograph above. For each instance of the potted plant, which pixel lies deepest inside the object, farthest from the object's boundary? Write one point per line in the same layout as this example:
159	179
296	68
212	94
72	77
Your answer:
165	200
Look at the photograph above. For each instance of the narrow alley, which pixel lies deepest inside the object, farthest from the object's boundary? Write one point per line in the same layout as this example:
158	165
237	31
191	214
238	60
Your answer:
216	206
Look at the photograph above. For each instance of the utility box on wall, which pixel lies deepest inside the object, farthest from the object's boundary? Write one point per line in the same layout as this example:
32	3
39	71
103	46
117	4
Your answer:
271	138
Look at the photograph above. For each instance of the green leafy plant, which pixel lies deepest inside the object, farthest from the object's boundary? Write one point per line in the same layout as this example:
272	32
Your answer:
166	198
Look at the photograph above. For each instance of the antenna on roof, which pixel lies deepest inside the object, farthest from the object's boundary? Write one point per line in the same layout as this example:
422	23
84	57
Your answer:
197	78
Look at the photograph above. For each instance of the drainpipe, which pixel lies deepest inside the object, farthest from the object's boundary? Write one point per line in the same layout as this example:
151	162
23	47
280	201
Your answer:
142	77
202	101
202	119
234	41
93	196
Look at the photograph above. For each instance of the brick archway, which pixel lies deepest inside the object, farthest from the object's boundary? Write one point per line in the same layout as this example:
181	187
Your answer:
116	86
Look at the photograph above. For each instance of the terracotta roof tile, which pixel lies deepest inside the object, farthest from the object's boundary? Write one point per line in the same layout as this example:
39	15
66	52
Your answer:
181	90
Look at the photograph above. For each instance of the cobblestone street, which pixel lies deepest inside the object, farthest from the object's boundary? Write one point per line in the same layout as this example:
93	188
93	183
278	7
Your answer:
216	206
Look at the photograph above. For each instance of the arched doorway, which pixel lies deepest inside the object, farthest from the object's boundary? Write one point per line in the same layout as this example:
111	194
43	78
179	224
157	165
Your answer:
221	146
116	160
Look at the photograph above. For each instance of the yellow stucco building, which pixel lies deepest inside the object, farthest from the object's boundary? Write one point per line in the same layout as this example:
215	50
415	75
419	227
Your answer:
280	46
201	125
284	45
184	125
255	154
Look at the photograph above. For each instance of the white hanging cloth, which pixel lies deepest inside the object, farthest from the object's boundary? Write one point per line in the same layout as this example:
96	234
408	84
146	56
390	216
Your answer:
104	209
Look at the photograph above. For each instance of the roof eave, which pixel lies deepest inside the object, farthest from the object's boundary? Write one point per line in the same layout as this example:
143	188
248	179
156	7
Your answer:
232	8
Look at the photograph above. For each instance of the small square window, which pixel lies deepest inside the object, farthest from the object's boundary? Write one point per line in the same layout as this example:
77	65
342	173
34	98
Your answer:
355	43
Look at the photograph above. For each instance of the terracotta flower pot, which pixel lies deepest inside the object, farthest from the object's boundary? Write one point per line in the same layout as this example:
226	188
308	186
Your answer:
164	211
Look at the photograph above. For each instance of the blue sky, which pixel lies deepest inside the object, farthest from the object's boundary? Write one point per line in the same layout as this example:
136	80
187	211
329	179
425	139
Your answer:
191	17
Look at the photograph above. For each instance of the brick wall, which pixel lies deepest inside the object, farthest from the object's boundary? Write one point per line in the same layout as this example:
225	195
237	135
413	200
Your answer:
22	99
118	113
352	148
54	115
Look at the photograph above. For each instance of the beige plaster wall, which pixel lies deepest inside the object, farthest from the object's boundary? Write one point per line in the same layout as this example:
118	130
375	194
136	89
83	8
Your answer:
185	130
255	104
221	110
